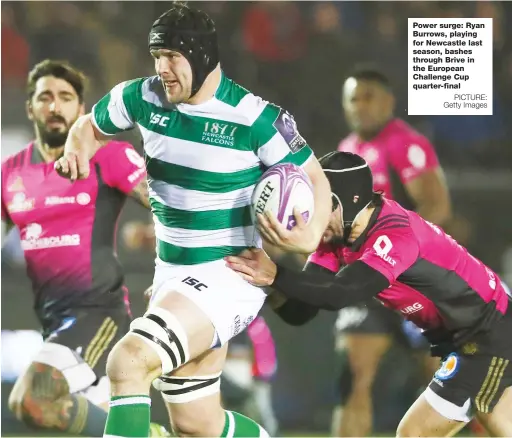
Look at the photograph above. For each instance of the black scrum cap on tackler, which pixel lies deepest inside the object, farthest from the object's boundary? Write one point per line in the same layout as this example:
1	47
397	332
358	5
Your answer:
351	182
192	33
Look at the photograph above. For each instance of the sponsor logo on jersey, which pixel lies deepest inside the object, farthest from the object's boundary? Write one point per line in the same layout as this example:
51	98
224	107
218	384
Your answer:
32	238
416	307
157	119
17	185
222	134
449	367
382	246
81	199
371	155
134	158
20	203
380	178
417	156
136	175
286	126
492	279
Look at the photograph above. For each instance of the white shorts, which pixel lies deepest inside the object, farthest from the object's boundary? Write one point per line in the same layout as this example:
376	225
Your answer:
229	301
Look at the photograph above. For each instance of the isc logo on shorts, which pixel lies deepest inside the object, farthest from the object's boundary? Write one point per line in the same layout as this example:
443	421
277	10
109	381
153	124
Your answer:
449	367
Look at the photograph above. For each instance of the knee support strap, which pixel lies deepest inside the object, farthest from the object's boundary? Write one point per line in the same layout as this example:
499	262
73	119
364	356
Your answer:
163	332
186	389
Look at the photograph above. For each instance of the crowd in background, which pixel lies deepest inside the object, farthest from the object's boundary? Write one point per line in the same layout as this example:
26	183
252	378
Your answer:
295	54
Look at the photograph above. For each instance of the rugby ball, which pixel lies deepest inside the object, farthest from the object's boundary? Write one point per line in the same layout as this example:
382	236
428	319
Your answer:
279	190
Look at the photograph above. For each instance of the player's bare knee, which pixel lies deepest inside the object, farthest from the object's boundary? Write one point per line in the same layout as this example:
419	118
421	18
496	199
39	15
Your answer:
132	360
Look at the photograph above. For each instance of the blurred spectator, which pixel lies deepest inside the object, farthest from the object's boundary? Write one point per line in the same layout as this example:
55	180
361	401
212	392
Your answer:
62	35
15	50
332	53
387	48
274	33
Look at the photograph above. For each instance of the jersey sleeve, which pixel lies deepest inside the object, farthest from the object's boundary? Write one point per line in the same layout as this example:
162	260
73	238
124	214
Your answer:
412	157
119	110
391	252
326	258
276	139
121	166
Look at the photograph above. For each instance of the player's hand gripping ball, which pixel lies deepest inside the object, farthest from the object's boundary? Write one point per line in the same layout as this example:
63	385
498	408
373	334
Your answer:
282	205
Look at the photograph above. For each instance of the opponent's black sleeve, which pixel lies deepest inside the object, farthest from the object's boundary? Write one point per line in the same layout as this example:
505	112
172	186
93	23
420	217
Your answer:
295	312
352	284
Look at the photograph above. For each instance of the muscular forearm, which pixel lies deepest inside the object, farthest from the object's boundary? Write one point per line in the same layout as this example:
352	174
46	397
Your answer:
431	197
353	284
83	136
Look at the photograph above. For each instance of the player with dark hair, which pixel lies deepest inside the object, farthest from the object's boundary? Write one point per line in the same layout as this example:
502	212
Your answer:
207	141
398	156
373	247
67	235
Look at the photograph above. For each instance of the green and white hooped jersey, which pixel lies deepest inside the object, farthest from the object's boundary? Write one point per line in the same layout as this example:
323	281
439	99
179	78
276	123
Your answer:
203	162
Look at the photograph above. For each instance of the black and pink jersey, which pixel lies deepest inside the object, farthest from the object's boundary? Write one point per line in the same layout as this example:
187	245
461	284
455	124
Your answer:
434	281
68	229
397	148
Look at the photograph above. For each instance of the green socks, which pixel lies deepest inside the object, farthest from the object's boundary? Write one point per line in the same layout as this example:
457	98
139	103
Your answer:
237	425
128	416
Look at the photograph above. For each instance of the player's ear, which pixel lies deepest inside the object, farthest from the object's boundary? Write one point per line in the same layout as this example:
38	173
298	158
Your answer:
81	110
28	108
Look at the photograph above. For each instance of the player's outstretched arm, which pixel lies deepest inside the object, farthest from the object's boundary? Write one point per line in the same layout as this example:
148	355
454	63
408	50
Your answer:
116	112
82	143
353	284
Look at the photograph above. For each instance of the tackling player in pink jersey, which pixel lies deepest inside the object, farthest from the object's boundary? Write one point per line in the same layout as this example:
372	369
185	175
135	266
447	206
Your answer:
68	236
374	248
400	158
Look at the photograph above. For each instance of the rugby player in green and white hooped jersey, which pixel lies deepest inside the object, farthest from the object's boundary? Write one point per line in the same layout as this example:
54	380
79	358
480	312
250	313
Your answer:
207	141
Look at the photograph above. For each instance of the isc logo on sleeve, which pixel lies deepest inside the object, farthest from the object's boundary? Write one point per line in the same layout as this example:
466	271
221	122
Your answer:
157	119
